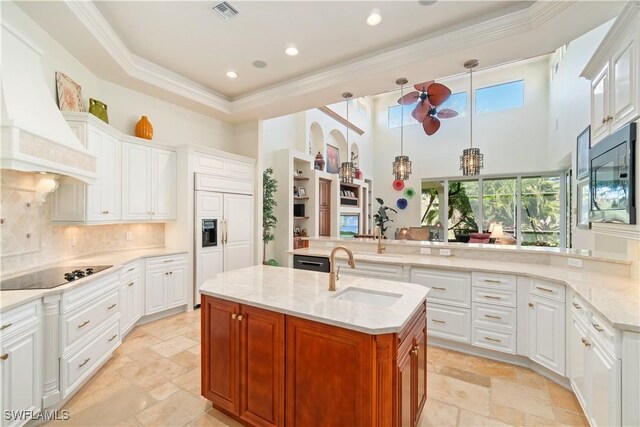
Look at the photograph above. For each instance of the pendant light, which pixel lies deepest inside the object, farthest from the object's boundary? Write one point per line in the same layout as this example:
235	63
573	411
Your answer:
347	171
471	160
402	164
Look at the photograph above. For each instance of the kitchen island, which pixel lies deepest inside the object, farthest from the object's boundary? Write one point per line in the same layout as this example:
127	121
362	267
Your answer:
279	348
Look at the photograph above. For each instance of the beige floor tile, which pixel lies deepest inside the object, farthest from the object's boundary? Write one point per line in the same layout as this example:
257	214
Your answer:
438	414
195	350
467	376
529	378
570	418
506	414
455	392
177	410
535	421
186	359
214	418
136	348
523	398
173	346
563	398
491	368
163	391
151	374
472	419
190	381
129	422
194	334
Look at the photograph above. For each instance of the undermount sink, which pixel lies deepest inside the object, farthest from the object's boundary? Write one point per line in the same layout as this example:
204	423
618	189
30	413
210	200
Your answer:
366	296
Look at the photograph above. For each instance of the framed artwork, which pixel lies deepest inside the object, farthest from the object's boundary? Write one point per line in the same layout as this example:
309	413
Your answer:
582	153
583	205
333	159
69	93
302	192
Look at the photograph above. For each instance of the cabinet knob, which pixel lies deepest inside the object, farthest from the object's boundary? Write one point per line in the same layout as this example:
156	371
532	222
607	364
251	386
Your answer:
586	342
4	356
530	304
131	284
604	120
239	317
105	212
233	316
609	118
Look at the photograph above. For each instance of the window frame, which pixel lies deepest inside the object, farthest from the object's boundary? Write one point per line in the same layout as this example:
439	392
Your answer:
476	97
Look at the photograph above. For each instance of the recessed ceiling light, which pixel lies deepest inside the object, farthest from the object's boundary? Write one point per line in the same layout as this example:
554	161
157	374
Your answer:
374	18
232	74
291	51
259	64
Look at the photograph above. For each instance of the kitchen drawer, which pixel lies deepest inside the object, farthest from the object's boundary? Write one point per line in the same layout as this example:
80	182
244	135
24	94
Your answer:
129	270
493	316
580	309
504	341
311	263
547	289
378	271
494	296
450	288
494	280
452	323
79	365
166	260
87	293
603	332
13	320
79	323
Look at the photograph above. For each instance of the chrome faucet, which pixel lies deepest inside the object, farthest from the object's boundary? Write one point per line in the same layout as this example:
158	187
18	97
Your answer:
334	275
378	233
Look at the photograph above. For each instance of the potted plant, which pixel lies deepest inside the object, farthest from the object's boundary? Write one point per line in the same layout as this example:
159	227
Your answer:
269	220
382	218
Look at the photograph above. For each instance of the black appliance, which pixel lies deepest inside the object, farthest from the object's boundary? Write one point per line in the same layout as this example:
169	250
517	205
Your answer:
612	178
298	209
50	277
209	232
311	263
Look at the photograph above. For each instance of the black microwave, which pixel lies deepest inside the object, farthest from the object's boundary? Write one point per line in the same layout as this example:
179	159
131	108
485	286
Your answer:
612	178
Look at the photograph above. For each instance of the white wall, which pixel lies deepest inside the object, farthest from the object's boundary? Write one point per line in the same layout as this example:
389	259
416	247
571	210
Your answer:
512	141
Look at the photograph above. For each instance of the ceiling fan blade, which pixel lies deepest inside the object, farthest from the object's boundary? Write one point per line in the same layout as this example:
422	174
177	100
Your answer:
447	113
422	87
421	111
438	93
431	125
409	98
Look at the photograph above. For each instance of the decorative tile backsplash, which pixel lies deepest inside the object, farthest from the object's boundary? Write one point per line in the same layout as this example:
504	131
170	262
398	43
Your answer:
29	240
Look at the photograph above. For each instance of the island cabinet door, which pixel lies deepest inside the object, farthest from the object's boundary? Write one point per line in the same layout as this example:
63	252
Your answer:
329	376
405	375
262	367
220	353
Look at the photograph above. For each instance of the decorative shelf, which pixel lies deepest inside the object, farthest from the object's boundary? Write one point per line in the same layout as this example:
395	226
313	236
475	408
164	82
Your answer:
300	198
300	178
300	217
347	184
348	197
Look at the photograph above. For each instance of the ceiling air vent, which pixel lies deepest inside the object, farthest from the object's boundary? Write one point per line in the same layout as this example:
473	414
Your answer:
225	10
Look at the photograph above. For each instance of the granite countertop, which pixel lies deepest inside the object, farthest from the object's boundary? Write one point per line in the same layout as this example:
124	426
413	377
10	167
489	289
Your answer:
616	298
11	299
305	294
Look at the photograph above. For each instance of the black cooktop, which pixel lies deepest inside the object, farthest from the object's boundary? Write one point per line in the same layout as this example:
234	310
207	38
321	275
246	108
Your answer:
50	278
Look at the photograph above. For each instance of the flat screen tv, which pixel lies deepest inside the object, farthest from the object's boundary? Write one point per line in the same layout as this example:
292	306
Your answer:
349	225
612	178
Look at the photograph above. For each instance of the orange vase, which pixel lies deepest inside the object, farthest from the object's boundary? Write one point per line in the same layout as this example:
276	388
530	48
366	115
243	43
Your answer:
144	128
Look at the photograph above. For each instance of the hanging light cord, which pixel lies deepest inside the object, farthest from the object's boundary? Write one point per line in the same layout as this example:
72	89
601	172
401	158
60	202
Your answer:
347	125
471	105
401	120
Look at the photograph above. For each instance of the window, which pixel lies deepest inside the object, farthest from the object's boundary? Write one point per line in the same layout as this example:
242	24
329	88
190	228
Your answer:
431	203
499	204
500	97
541	211
464	209
456	102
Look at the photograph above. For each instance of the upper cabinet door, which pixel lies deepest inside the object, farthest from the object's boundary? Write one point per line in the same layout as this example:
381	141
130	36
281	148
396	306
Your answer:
136	185
600	106
110	179
624	85
164	184
94	191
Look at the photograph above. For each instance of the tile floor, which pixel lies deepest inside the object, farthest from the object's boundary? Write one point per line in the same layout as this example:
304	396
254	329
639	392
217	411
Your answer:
153	379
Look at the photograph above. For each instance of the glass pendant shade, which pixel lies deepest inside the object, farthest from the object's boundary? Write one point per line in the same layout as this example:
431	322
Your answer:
347	172
471	161
402	168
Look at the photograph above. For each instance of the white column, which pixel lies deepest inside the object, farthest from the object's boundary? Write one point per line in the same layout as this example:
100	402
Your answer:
51	351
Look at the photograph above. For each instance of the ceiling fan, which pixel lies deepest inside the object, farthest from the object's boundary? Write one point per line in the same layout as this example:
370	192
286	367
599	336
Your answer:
429	95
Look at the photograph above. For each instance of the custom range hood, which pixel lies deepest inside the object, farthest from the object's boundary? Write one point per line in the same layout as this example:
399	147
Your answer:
35	136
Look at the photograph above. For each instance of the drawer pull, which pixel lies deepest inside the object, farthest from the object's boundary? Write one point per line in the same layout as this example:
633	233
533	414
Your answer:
4	356
5	326
111	306
168	260
83	324
130	284
577	306
438	289
544	289
112	338
492	281
105	212
315	264
491	297
131	269
530	304
493	317
586	342
492	339
597	327
438	321
84	363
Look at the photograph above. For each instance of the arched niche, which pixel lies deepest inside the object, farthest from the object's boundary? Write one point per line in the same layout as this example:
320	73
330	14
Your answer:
337	139
316	139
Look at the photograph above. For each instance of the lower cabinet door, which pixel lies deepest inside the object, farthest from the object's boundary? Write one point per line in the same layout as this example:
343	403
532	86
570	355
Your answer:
578	362
262	367
177	290
421	372
605	388
220	354
155	294
546	333
405	375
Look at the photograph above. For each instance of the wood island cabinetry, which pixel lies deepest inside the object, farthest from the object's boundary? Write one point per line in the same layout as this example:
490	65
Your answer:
334	375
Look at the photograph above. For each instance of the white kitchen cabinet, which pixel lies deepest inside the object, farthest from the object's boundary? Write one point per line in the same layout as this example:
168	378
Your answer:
614	71
238	231
149	183
165	283
21	362
371	270
447	287
578	359
131	294
546	332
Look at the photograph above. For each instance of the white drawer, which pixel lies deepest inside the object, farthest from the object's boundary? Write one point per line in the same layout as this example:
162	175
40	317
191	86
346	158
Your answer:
494	296
452	323
603	331
494	280
85	294
381	271
14	319
79	323
446	287
493	316
129	270
546	289
166	260
77	366
580	309
504	341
